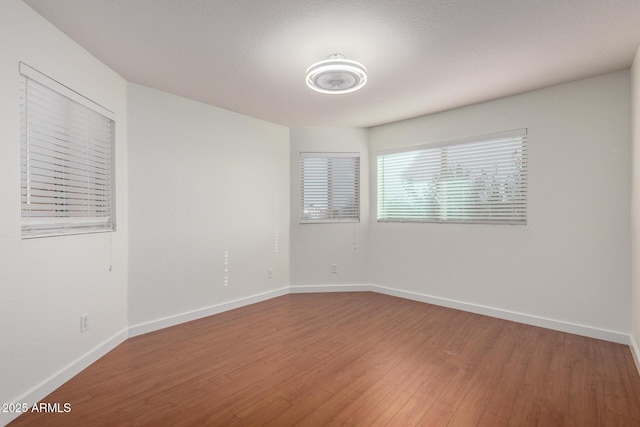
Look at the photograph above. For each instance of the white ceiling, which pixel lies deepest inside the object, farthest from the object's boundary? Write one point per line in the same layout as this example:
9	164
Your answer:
423	56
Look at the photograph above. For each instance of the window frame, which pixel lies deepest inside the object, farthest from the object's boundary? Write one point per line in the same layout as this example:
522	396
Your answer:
465	197
57	151
351	214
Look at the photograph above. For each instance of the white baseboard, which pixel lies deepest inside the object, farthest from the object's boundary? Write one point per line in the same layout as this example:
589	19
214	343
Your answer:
528	319
635	351
47	386
312	289
177	319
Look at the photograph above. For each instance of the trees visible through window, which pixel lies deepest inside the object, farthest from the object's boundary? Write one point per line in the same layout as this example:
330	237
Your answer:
475	180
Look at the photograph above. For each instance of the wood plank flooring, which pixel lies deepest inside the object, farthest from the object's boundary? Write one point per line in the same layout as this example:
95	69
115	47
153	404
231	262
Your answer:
356	359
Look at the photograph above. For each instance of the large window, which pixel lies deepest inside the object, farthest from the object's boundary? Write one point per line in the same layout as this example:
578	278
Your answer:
66	159
329	187
475	180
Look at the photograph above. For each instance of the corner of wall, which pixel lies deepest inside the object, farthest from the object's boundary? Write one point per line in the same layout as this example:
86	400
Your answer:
635	207
635	351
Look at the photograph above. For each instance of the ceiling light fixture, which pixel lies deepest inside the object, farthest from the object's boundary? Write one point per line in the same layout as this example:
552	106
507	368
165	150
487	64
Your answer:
336	75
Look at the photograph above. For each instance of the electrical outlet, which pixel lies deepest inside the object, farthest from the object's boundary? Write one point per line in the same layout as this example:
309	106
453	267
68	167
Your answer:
84	322
334	268
270	273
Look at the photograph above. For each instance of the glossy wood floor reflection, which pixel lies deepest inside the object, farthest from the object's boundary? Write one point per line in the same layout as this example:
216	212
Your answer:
352	359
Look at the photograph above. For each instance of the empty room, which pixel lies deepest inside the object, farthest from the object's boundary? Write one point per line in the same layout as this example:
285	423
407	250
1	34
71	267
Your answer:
236	213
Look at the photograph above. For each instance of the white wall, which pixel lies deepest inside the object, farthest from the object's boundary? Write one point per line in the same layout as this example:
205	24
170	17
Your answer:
203	181
635	207
315	247
47	284
571	263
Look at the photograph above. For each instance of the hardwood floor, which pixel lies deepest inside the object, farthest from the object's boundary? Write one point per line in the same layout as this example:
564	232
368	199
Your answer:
352	359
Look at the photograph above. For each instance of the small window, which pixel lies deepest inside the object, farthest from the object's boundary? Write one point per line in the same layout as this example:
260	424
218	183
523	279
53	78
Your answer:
475	180
66	159
330	187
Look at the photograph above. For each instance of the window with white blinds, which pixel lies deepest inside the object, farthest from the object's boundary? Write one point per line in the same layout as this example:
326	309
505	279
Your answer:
67	144
475	180
329	187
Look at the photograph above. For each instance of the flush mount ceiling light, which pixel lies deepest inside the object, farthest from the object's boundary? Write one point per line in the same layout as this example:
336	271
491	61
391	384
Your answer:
336	75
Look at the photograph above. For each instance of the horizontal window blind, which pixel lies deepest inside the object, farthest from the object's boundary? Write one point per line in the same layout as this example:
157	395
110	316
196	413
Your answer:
66	160
329	187
475	180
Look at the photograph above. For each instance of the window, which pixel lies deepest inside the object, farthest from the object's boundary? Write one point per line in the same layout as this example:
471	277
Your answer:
66	159
330	187
475	180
